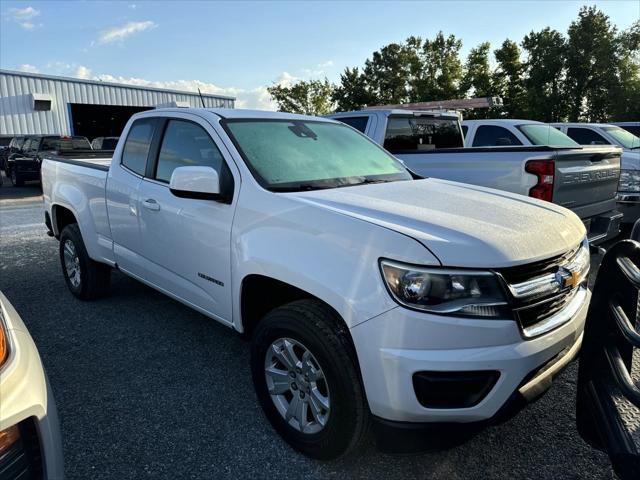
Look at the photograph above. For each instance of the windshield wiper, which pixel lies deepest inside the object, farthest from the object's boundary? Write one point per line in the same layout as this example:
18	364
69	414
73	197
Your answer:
301	187
365	181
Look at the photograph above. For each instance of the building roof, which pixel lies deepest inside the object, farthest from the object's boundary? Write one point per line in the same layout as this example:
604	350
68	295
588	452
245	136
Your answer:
111	84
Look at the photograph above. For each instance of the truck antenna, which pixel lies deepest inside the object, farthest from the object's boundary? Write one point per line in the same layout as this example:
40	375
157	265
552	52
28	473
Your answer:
201	98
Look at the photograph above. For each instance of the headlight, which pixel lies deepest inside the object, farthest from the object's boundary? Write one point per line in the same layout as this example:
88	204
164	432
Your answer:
446	291
629	181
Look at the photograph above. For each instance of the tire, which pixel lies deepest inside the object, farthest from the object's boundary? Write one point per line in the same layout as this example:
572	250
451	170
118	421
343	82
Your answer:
311	325
88	279
16	179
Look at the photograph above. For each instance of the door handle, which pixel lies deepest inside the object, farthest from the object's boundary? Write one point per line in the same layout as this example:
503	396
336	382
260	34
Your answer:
151	204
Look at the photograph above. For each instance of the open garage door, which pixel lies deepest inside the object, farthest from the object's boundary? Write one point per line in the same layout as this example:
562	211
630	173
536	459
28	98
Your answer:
94	121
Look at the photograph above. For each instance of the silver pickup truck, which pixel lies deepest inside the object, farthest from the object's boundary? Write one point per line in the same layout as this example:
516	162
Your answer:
530	158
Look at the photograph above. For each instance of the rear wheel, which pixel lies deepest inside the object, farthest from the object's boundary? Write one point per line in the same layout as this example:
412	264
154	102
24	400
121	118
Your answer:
85	278
307	380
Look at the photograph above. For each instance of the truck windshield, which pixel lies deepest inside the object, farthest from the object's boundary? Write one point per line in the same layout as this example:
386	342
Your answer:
65	143
420	134
542	134
623	137
293	155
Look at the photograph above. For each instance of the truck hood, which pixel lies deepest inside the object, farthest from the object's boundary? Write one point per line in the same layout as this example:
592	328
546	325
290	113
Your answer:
462	225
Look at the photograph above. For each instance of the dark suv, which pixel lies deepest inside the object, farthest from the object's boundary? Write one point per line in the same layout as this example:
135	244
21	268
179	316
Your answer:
24	165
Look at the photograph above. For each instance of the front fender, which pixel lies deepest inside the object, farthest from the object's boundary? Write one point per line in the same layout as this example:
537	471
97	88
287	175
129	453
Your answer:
329	255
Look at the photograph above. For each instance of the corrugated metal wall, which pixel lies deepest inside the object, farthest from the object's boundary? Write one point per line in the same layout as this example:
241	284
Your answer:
17	115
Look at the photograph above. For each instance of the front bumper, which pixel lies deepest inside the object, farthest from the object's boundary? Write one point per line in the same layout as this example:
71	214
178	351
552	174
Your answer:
629	205
26	401
395	345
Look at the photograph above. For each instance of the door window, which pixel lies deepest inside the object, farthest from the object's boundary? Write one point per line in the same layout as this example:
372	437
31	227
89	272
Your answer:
186	144
586	136
494	136
136	148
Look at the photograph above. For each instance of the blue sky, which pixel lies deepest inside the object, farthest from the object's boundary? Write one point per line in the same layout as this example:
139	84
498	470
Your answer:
239	48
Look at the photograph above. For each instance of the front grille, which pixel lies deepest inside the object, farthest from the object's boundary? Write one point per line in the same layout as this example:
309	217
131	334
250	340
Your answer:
23	459
532	314
531	311
521	273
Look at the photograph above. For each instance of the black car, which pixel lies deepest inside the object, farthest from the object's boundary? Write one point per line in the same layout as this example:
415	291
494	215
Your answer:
5	147
24	165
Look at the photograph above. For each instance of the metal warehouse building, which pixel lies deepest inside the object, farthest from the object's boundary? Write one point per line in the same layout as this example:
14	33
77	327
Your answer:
32	103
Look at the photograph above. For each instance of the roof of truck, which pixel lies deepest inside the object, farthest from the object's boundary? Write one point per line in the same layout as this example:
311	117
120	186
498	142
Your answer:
500	121
233	113
583	124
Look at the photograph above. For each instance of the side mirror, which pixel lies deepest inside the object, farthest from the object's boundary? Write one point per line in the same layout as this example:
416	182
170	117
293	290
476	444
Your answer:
200	183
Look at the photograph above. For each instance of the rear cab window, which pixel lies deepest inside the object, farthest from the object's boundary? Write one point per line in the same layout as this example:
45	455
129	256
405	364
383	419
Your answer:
417	134
494	136
359	123
137	145
65	143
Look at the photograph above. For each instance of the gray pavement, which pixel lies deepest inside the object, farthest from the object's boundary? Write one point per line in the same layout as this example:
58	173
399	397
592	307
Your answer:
147	388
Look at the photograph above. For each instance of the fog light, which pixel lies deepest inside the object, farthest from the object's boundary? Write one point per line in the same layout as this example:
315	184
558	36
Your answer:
8	437
453	389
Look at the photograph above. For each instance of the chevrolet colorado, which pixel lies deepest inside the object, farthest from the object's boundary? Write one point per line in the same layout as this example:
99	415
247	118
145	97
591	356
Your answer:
513	155
370	297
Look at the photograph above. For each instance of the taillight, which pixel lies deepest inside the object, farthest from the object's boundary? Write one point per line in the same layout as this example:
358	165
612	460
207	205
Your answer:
544	170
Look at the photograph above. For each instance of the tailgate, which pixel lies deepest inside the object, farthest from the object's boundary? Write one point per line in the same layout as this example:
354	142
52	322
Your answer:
586	176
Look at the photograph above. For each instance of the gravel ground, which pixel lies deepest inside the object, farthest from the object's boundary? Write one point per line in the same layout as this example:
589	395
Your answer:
147	388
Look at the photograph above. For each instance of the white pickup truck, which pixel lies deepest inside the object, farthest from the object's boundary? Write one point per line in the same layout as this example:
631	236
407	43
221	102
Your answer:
519	156
370	297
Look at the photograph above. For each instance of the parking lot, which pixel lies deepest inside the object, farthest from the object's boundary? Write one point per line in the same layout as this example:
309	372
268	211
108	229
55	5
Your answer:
147	387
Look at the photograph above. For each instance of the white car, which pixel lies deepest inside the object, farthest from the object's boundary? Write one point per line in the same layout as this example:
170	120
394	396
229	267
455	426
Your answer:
30	445
368	295
609	134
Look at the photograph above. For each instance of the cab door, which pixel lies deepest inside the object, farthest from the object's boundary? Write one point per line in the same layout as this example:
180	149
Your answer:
128	166
187	242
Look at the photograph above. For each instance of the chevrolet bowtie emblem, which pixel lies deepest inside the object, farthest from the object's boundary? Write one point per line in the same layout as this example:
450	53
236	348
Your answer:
567	278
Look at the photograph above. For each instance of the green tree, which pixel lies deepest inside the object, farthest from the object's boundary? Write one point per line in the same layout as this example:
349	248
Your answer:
311	97
507	80
353	92
592	65
626	95
477	78
545	98
436	69
388	72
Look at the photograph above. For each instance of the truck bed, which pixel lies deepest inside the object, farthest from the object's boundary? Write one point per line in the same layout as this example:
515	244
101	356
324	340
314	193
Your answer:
79	185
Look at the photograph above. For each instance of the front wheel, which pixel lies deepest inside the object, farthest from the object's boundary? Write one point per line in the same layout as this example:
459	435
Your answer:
307	380
85	278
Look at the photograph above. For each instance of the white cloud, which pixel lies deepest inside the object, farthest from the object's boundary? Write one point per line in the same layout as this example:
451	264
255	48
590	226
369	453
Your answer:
25	67
26	13
118	34
327	64
82	72
132	6
24	17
